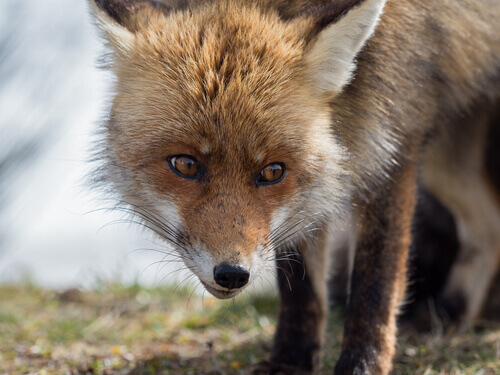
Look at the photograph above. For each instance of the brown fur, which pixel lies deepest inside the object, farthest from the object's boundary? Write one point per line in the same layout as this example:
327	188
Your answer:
231	83
383	235
453	169
399	90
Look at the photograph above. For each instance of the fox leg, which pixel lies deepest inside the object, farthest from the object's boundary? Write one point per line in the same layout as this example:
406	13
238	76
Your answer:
383	235
454	171
302	319
474	269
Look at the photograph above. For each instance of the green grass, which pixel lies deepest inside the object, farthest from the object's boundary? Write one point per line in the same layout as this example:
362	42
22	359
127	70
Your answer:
136	330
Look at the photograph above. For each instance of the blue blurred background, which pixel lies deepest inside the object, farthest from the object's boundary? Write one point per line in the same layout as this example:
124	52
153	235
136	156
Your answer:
52	97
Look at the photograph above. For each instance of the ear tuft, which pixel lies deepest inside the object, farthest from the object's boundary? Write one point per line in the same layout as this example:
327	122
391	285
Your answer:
324	12
120	19
331	56
127	12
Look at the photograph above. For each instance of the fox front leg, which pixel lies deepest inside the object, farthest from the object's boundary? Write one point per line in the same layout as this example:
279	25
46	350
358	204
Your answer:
302	318
378	276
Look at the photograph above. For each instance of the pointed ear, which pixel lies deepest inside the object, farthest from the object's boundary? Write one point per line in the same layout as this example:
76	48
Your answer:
120	19
340	35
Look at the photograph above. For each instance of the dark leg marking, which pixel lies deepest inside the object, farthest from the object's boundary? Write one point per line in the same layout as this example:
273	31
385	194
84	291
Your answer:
378	277
298	336
451	309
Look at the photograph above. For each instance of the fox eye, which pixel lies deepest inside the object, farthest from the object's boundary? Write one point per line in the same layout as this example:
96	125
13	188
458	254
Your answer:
185	166
271	174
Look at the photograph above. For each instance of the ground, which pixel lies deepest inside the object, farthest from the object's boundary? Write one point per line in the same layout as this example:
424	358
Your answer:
135	330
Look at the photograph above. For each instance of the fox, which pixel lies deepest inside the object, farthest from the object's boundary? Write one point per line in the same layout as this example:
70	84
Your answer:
248	132
473	235
436	248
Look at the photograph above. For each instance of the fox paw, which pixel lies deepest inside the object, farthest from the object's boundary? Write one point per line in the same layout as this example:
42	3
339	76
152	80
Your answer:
345	367
361	363
451	308
268	368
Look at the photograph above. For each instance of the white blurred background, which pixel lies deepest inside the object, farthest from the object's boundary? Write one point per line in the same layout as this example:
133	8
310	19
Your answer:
52	97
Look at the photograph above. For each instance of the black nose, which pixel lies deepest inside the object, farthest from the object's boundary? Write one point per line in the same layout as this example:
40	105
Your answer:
231	277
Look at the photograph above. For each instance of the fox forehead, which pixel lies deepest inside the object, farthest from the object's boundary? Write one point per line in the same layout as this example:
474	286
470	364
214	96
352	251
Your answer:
206	78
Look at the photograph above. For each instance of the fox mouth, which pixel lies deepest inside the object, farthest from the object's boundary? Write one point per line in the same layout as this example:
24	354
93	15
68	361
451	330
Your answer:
221	294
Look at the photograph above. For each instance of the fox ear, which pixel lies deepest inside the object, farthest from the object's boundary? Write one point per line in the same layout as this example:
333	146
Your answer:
120	19
340	33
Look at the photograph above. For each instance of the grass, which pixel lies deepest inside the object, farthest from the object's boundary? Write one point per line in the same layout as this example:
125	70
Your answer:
136	330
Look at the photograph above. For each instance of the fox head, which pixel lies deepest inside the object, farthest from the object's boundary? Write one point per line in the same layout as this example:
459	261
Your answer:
220	135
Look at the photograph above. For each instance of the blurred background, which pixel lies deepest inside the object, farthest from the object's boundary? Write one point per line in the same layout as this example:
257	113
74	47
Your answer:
52	98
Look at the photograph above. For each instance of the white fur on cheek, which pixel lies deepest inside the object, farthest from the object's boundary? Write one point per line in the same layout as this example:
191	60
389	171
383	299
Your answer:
202	264
196	258
330	192
259	260
170	213
331	59
279	218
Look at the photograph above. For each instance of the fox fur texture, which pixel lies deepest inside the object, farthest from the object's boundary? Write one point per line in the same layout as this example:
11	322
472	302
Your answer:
249	131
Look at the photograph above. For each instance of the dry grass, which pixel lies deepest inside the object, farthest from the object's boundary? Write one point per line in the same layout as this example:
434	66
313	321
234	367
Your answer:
134	330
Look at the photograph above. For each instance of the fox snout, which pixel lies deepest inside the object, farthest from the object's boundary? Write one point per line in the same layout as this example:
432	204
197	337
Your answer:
231	277
227	279
229	231
226	271
230	280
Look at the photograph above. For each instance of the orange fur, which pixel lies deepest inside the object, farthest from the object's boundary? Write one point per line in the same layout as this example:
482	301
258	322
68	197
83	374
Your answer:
239	85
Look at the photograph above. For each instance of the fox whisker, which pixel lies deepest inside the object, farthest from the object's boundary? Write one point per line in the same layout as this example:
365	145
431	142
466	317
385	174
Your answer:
277	234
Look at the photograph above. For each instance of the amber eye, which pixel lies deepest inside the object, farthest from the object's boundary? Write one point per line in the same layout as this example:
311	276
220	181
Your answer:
271	174
185	166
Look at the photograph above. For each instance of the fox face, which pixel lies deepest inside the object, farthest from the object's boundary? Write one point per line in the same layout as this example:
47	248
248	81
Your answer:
220	135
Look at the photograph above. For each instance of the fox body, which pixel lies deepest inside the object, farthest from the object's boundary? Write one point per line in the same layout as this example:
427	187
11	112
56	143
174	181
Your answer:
249	131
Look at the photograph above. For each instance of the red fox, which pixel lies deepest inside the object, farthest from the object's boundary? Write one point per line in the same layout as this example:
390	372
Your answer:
248	131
